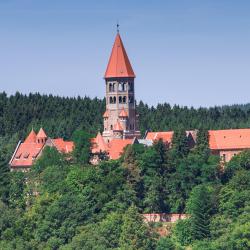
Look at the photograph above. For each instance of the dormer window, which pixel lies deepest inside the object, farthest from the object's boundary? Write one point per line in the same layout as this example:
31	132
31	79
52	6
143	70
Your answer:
26	155
18	156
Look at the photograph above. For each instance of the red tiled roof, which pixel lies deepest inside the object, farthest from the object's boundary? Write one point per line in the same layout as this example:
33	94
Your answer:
229	139
41	134
119	64
123	113
117	146
165	136
31	137
118	126
106	114
26	154
98	144
63	146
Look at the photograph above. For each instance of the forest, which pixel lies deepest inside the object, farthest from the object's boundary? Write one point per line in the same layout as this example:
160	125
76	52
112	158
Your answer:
65	203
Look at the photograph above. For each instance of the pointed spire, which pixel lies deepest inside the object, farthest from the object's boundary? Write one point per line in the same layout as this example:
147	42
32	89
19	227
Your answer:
118	126
123	113
31	138
119	64
106	114
41	134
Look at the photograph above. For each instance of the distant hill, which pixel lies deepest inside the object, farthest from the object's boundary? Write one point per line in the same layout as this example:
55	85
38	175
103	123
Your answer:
60	116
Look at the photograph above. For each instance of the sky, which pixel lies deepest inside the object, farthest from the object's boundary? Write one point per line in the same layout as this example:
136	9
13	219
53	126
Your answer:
185	52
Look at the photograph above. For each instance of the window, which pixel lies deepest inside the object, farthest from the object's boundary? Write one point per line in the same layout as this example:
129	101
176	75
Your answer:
110	99
120	86
18	156
110	87
120	99
26	155
224	157
114	99
124	86
111	127
124	99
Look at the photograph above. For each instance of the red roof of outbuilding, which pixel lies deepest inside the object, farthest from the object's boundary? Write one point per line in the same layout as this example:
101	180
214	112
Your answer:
117	146
31	137
41	134
98	144
165	136
119	64
26	154
229	139
63	146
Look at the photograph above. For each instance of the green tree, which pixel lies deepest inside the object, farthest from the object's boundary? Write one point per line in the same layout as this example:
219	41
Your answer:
82	149
135	234
165	243
200	208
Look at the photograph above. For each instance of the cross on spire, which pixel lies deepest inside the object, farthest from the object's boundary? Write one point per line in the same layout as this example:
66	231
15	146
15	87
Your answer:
117	27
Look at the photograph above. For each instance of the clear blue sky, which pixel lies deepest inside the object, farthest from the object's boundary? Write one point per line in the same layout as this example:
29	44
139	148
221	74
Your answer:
194	53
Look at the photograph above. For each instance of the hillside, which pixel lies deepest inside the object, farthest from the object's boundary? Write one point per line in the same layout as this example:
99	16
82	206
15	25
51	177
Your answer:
60	116
65	203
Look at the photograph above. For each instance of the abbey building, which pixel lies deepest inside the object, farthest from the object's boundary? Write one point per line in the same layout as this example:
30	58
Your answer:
121	124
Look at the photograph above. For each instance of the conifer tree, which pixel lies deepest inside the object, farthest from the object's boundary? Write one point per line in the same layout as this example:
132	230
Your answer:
135	234
199	207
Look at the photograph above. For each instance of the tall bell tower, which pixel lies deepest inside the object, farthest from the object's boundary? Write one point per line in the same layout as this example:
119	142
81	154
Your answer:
120	118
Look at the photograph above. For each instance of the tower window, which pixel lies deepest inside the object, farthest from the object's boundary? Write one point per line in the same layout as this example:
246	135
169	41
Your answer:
114	99
111	127
120	86
124	99
110	87
124	85
110	99
120	99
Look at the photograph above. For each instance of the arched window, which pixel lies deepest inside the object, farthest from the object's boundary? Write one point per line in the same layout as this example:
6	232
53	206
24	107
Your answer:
114	99
120	86
111	127
124	85
124	99
113	87
110	99
120	99
110	87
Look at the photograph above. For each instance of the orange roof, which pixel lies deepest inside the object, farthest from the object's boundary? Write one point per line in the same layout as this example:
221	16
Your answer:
63	146
123	113
118	126
229	139
31	137
41	134
106	114
116	147
119	64
165	136
98	144
26	154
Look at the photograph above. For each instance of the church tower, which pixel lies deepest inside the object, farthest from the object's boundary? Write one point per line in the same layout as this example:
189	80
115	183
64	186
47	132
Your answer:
120	118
